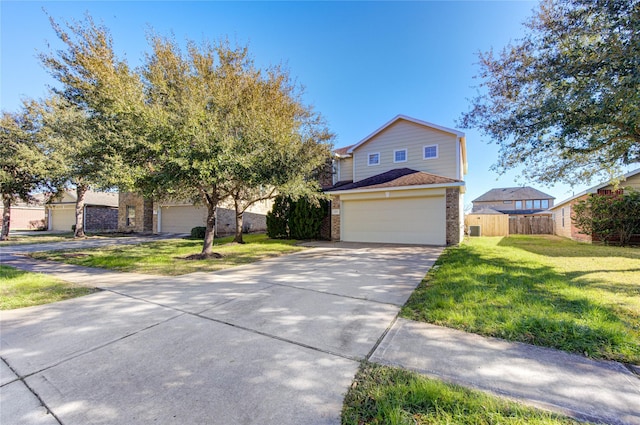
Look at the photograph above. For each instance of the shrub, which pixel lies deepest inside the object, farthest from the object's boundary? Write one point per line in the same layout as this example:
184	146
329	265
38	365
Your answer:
278	218
300	219
306	219
198	232
609	217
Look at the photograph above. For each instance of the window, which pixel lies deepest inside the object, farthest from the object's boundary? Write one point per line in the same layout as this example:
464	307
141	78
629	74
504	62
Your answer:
562	216
528	204
518	205
400	155
536	203
506	202
131	215
545	203
430	152
374	158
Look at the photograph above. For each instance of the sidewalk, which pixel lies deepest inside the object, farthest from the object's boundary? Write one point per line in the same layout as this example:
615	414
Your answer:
598	391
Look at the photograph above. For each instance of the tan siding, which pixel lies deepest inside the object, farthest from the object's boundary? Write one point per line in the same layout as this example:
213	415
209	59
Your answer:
346	169
632	182
560	227
414	138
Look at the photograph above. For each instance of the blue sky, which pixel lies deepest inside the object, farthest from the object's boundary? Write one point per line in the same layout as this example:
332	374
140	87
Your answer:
361	63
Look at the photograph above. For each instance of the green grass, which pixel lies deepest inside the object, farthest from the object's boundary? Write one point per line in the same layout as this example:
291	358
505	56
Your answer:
541	290
38	238
389	396
24	289
168	257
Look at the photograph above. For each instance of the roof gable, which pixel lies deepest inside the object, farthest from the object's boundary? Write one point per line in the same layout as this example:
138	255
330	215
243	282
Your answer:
459	134
595	188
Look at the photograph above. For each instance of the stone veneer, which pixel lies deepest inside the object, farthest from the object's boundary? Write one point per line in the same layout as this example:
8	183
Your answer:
453	216
144	220
335	219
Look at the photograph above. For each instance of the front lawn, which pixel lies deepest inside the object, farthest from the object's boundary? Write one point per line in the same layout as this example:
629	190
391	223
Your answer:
390	396
24	289
168	257
542	290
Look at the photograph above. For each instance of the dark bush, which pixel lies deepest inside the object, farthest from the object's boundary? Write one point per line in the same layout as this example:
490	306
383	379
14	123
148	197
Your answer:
198	232
278	218
301	219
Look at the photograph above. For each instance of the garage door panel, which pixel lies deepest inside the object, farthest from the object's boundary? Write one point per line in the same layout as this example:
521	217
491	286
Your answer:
398	220
181	219
63	219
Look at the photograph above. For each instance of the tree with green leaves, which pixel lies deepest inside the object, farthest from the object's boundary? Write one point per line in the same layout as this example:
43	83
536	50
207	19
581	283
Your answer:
609	217
24	165
222	128
95	113
564	101
275	141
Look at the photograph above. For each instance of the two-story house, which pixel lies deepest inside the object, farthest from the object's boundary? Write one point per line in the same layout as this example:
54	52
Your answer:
523	200
403	183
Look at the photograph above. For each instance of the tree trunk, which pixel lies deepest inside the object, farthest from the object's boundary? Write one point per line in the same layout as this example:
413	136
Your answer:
209	234
238	236
6	216
81	191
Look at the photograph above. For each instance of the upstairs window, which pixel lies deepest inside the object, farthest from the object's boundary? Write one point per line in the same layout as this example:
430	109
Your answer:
544	203
518	205
430	152
400	155
374	159
529	204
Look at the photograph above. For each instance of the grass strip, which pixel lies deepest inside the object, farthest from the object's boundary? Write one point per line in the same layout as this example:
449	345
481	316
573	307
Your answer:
25	289
169	257
546	291
391	396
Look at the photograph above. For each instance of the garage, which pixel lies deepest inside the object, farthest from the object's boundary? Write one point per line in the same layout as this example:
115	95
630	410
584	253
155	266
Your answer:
408	220
181	218
62	219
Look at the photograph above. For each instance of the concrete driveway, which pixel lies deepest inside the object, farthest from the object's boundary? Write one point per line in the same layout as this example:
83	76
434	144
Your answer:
275	342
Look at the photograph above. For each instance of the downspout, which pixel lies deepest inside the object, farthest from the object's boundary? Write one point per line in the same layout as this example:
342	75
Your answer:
159	229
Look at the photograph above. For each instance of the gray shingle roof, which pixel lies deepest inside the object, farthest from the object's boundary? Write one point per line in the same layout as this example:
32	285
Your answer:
512	194
395	178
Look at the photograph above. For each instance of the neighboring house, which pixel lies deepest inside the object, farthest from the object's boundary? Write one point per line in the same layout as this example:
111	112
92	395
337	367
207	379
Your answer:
401	184
562	211
27	215
100	211
513	201
144	216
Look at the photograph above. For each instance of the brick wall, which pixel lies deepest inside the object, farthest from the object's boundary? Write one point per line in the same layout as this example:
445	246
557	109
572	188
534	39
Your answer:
453	216
101	219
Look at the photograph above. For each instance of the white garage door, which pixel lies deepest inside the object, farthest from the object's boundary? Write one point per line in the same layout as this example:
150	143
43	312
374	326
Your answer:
403	220
63	219
181	219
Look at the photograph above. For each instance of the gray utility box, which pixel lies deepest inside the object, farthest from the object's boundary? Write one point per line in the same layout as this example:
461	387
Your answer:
475	231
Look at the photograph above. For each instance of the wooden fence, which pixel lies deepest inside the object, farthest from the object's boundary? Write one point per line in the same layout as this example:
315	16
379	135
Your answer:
504	225
531	225
490	224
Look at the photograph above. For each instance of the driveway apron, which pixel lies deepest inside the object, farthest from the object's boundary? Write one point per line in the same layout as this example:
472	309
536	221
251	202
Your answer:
275	342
